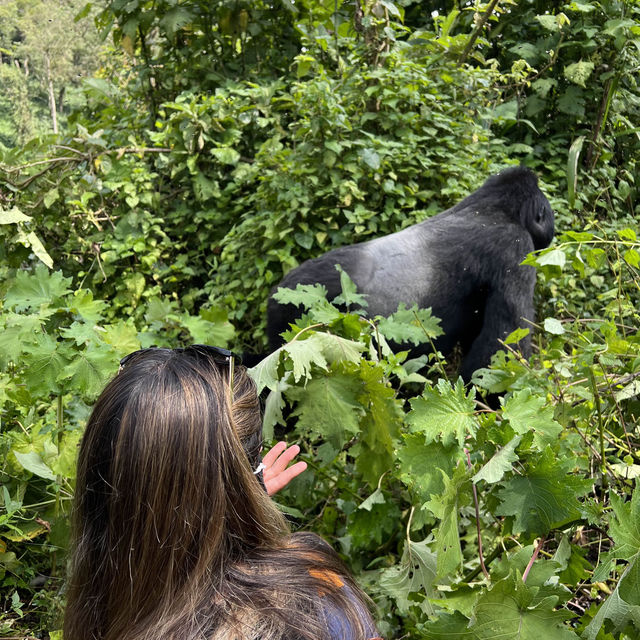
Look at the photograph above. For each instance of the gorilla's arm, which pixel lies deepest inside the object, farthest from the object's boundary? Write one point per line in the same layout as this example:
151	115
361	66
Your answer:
509	299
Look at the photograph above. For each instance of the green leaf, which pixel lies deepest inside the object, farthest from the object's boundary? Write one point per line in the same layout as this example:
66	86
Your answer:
36	289
553	257
226	155
579	72
349	296
517	335
415	574
414	326
421	465
33	463
12	216
83	304
444	413
328	406
528	413
500	463
551	325
622	606
510	610
625	526
265	373
175	19
305	354
545	497
377	497
370	158
446	507
89	369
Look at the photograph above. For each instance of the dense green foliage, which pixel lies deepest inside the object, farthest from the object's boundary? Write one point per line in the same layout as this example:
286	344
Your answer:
220	144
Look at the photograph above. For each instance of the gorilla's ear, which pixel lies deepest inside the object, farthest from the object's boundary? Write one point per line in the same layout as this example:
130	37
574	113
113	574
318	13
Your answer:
536	216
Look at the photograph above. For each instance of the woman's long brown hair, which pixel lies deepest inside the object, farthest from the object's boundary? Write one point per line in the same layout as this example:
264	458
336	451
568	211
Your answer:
174	537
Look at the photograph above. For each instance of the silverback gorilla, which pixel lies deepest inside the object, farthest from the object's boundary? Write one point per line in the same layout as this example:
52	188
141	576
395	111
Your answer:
464	263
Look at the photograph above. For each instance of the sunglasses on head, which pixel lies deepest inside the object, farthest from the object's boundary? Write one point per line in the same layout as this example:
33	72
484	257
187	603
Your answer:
217	354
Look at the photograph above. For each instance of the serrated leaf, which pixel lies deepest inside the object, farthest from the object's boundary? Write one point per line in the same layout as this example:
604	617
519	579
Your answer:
32	290
625	526
305	354
528	413
545	497
83	304
337	349
307	295
89	370
444	413
622	606
551	325
414	326
380	425
500	463
329	406
509	610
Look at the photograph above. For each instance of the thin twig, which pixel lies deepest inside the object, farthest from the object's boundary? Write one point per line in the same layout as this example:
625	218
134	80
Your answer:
533	558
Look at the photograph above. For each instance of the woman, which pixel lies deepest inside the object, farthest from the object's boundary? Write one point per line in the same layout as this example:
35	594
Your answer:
174	534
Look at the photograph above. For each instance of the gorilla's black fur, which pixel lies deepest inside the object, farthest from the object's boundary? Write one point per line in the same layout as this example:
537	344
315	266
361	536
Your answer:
464	263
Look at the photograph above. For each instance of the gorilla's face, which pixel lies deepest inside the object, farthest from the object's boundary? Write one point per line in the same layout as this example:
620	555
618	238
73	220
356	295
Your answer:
542	226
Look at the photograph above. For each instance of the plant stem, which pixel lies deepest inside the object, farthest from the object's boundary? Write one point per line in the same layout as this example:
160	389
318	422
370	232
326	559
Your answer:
533	558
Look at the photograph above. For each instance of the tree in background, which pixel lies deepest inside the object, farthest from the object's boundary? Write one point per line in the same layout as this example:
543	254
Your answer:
44	53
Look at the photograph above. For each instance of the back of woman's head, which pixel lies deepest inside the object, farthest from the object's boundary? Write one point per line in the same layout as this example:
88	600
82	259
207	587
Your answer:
166	495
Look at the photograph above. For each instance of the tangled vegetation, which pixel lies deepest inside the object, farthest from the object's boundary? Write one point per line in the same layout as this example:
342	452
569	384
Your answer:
219	144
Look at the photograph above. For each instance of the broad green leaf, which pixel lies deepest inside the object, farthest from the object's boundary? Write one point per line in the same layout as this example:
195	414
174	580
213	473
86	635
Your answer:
371	158
416	573
421	465
88	370
552	257
551	325
337	349
415	326
444	413
83	304
226	155
273	407
380	425
328	406
12	216
122	336
509	610
579	72
545	497
305	354
528	413
33	463
500	463
31	290
517	335
46	360
622	606
377	497
307	295
265	373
